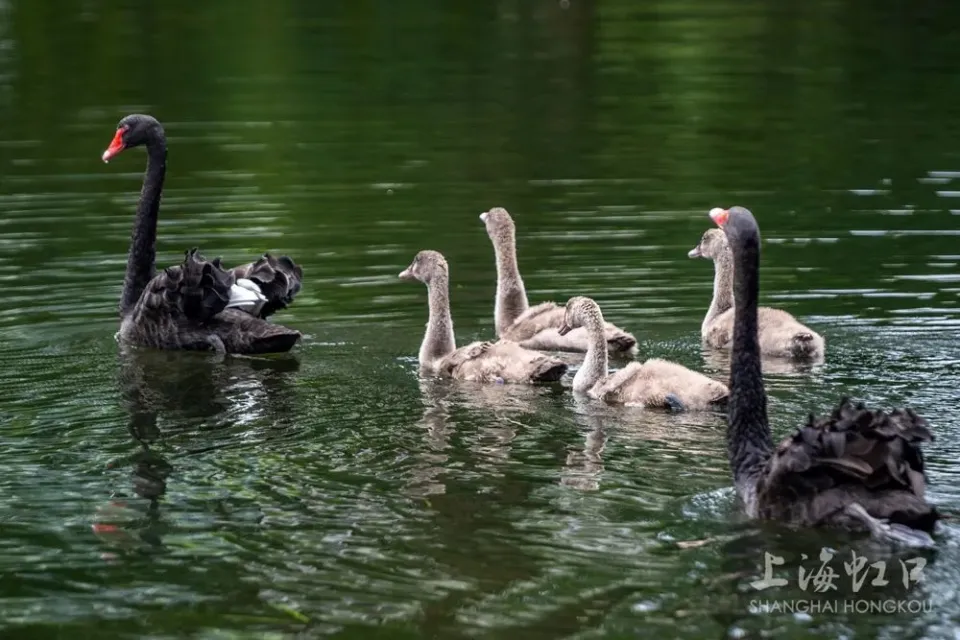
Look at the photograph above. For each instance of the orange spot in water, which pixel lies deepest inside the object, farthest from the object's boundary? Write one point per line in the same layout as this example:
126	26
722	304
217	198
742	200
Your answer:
105	528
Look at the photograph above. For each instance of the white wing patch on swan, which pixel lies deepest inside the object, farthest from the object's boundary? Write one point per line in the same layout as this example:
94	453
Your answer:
246	295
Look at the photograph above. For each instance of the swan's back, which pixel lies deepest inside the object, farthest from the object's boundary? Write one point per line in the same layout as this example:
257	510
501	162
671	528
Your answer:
197	289
501	361
185	307
853	455
780	334
538	328
651	383
533	321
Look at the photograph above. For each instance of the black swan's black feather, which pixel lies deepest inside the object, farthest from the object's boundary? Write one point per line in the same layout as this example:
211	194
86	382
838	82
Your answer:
279	280
857	468
186	306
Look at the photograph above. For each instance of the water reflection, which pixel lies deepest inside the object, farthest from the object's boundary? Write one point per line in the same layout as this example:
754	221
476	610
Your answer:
532	509
584	465
496	412
717	364
426	476
185	391
463	471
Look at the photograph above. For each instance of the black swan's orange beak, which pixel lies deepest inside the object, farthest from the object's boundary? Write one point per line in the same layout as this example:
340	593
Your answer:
116	146
719	216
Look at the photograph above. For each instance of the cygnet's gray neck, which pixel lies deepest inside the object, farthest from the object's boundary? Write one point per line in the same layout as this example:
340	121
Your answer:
594	367
511	299
722	288
438	341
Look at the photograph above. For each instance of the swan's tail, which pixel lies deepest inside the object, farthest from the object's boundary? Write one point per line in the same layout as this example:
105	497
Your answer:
805	344
279	342
623	344
890	531
549	370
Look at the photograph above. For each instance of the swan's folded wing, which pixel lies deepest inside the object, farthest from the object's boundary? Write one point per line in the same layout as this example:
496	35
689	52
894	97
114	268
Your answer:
538	327
876	450
614	385
450	364
656	381
279	280
534	320
196	290
501	361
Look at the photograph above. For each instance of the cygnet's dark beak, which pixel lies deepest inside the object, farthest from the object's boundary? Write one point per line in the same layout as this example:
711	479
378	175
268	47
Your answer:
407	274
564	329
695	252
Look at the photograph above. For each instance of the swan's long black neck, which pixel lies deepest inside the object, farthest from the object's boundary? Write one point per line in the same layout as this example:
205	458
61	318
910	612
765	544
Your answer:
143	251
749	442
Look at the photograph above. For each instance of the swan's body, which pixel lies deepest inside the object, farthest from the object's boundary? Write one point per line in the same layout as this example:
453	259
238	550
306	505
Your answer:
857	468
535	327
501	361
655	383
781	335
196	304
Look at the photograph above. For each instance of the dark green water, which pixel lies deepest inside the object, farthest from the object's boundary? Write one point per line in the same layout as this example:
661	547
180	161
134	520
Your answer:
334	493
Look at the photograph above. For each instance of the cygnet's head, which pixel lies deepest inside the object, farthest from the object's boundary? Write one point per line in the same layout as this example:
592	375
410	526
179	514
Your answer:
499	224
579	312
712	245
426	266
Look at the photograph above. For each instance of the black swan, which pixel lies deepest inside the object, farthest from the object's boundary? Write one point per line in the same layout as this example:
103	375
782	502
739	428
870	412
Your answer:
197	304
859	469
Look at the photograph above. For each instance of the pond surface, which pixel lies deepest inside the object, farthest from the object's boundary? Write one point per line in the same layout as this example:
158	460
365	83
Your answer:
331	491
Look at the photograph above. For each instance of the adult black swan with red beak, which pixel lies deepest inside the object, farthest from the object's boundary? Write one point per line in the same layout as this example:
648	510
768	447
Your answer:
857	468
196	305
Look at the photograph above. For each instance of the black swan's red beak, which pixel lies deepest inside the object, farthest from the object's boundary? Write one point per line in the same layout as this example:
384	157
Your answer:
719	216
116	146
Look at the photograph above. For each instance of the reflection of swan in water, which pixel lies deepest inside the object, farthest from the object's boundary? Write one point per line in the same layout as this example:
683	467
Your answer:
719	361
585	466
691	434
193	387
437	428
500	411
185	387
